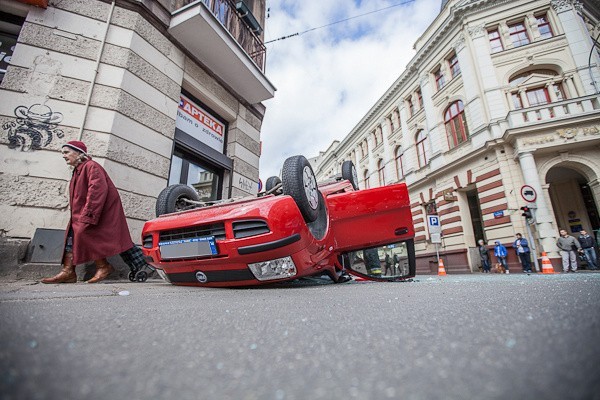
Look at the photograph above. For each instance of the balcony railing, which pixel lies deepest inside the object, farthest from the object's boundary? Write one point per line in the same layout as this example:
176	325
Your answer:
553	111
225	11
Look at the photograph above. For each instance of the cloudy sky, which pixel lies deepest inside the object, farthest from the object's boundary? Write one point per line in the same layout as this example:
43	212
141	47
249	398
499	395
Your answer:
328	79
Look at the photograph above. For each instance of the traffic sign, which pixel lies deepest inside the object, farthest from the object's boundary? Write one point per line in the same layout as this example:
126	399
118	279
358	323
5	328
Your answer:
528	193
433	222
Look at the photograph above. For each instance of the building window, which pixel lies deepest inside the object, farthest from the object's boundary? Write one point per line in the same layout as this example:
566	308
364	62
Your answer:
538	96
453	64
366	178
544	27
456	124
517	102
440	80
495	41
10	27
390	121
375	139
396	118
422	147
381	172
190	170
518	34
420	98
399	163
411	107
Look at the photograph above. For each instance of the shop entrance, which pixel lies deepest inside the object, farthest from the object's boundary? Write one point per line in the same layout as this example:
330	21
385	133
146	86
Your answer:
572	201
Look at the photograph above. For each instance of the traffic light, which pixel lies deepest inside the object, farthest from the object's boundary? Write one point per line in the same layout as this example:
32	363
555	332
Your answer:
526	212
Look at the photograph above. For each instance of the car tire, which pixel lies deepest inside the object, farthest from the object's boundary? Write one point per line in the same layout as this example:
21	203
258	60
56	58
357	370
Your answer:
299	182
272	182
172	199
349	173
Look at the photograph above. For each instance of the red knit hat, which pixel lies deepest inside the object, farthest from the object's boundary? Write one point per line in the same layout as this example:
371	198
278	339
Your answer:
77	145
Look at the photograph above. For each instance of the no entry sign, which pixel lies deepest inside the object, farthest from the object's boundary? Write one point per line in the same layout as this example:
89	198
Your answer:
528	193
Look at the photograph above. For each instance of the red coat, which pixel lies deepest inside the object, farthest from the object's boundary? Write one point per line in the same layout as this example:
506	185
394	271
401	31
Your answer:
97	218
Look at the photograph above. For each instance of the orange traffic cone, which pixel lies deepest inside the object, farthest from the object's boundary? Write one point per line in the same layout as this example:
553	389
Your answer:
441	269
546	265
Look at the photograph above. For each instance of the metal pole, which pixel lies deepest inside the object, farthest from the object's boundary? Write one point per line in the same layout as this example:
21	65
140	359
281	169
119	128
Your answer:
532	246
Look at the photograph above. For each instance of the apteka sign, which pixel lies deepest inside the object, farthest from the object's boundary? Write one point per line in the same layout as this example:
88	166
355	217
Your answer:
198	123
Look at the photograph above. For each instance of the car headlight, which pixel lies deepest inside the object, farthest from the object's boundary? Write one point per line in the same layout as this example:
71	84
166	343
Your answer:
273	269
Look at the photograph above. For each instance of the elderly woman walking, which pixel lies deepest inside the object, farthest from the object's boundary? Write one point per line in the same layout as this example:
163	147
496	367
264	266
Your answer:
97	228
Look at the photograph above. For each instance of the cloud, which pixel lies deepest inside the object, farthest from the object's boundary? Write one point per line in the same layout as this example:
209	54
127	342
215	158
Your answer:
328	78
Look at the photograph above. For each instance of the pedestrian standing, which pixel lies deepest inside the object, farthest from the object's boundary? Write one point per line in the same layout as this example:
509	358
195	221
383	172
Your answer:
485	257
388	264
501	253
568	246
97	228
588	245
522	248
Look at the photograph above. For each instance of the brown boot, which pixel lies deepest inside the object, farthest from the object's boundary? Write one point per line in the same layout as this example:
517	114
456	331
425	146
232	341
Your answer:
67	273
103	269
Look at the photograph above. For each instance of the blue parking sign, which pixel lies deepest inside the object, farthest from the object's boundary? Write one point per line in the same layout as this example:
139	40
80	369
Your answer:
433	220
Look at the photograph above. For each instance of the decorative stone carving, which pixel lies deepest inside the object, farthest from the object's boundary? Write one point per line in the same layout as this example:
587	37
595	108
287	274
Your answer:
539	140
477	31
460	43
570	133
565	5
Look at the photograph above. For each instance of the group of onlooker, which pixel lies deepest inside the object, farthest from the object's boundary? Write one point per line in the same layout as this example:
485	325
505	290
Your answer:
570	247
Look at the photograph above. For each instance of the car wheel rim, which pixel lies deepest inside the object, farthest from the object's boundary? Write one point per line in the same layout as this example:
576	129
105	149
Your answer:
310	188
180	204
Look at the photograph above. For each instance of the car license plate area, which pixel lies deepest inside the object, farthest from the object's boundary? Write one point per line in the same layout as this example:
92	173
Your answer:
188	248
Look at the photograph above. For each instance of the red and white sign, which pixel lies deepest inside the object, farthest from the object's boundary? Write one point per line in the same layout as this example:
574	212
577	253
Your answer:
528	193
200	124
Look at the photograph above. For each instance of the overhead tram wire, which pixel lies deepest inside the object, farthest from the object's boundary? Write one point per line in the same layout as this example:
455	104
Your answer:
340	21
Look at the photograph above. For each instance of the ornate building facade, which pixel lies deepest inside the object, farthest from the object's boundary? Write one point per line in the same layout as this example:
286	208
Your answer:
501	97
161	92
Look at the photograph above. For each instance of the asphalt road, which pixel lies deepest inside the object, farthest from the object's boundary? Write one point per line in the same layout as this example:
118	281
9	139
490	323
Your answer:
454	337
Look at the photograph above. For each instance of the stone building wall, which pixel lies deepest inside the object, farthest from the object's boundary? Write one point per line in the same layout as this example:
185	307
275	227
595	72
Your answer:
128	125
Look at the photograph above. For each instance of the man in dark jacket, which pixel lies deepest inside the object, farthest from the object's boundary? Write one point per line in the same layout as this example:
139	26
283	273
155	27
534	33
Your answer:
485	257
522	248
588	245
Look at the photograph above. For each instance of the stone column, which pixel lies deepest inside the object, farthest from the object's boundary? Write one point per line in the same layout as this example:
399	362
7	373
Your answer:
571	87
524	98
408	141
386	130
372	165
473	104
580	42
482	60
551	93
431	118
532	27
547	234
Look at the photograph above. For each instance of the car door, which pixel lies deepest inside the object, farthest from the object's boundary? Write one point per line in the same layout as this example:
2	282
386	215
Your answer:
370	217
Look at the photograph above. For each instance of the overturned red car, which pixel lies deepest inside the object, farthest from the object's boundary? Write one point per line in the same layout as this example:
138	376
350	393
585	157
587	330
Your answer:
296	229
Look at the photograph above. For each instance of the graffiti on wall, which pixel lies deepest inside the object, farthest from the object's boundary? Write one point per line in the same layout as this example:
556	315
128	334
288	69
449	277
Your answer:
34	128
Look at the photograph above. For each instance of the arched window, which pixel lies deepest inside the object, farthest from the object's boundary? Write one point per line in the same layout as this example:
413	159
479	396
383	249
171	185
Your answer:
540	87
366	178
381	172
399	163
456	124
422	147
